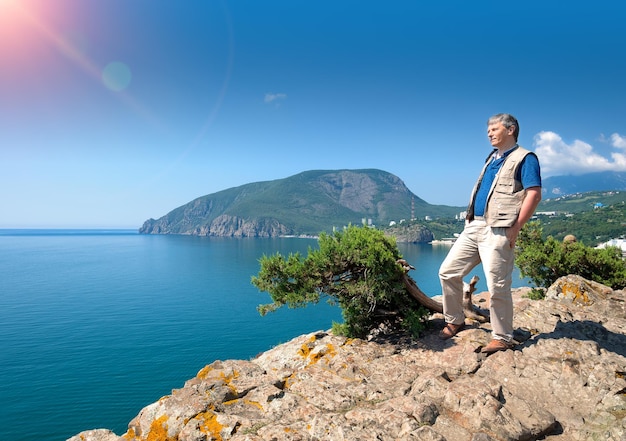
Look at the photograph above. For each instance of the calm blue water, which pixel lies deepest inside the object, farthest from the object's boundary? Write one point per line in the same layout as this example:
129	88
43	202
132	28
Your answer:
95	324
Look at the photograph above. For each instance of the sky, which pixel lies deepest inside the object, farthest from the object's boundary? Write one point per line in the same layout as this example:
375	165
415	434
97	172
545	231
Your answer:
113	112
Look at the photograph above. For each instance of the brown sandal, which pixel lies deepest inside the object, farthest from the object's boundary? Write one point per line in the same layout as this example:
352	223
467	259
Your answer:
497	345
450	330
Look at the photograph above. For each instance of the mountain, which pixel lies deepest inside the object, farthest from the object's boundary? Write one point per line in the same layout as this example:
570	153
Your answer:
303	204
556	186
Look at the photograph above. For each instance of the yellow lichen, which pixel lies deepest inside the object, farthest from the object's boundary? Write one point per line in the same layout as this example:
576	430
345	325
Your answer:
329	351
207	373
210	425
253	403
578	293
304	350
286	382
204	372
227	379
247	402
158	430
130	434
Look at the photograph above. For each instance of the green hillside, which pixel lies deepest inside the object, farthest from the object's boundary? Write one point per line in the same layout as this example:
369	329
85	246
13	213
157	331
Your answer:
579	202
306	203
593	218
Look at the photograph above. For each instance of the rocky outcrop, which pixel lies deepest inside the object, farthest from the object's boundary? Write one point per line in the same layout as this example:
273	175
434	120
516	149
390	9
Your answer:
565	380
223	226
233	226
413	233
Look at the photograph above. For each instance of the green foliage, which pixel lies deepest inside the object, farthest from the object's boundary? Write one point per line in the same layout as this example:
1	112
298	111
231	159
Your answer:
536	294
544	261
591	227
356	268
340	329
415	321
444	227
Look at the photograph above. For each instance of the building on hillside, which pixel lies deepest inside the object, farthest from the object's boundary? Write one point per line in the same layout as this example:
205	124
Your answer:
619	243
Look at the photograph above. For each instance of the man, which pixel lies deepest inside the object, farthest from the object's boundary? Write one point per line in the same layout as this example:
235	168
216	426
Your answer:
504	198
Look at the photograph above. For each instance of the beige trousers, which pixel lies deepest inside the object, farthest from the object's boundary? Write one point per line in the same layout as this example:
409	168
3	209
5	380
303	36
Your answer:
480	243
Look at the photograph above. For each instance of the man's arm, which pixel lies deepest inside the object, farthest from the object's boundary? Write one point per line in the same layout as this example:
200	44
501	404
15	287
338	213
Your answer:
529	205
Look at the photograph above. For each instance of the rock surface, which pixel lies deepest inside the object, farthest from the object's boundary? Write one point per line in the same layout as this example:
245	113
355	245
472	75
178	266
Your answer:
413	233
565	380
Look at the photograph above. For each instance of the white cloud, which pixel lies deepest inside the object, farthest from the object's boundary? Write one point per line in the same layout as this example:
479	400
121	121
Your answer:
559	158
270	97
618	141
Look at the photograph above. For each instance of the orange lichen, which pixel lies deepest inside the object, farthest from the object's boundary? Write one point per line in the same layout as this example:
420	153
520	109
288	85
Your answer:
304	350
227	379
328	351
158	430
204	372
208	373
286	382
130	434
576	292
253	403
210	425
246	402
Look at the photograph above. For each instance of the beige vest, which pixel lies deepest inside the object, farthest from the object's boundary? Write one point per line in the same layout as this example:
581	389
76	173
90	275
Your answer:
506	194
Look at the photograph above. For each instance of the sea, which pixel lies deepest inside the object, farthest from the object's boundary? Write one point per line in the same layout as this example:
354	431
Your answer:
97	324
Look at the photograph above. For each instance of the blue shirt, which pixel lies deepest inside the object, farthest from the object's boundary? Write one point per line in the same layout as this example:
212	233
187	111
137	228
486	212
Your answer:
529	175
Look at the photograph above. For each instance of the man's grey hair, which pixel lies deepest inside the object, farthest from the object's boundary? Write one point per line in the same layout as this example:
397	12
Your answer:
507	121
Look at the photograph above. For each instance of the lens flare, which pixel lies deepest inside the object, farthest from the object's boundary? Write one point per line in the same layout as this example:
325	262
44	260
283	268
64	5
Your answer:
116	76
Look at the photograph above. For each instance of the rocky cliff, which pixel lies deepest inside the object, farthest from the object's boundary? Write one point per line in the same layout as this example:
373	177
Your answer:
565	380
413	233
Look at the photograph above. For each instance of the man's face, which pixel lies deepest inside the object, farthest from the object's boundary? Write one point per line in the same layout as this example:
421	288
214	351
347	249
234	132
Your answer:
500	136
